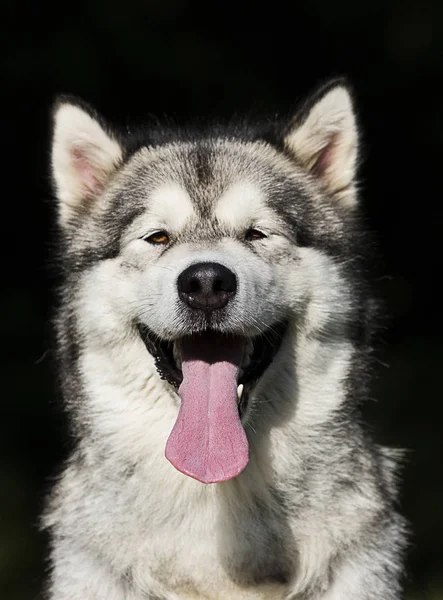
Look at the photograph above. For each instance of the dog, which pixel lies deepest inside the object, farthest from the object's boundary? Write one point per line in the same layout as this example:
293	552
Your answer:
215	334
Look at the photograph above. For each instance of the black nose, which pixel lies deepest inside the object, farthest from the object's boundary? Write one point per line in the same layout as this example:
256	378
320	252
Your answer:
206	286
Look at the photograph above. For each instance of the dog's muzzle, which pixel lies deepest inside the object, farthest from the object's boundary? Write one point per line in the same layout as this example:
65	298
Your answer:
214	368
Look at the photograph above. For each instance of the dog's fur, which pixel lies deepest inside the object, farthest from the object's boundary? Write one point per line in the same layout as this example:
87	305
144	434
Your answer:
312	516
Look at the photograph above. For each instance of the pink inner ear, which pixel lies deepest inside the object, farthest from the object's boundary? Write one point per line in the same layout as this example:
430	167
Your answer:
325	157
86	171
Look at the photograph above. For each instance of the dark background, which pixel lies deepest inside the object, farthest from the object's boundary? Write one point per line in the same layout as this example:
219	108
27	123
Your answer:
168	57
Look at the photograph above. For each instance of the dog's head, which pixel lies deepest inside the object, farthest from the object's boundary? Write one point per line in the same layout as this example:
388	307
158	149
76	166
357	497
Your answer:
211	248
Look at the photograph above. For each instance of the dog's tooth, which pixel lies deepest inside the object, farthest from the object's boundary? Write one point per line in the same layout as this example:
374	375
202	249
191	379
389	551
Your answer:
240	392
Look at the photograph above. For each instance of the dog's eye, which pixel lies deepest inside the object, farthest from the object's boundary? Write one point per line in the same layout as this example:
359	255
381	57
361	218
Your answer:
157	238
254	234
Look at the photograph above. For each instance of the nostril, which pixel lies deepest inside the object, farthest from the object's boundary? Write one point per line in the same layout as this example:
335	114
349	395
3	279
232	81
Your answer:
218	285
225	282
194	286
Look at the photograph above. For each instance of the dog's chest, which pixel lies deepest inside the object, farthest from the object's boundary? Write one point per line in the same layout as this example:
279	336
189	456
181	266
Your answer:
215	553
206	578
202	574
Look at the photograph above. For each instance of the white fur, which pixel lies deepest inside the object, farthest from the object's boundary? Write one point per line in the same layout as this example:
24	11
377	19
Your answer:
169	539
323	366
134	412
171	207
242	206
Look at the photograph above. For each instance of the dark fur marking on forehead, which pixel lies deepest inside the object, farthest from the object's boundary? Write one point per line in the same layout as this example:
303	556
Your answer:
205	229
202	164
201	176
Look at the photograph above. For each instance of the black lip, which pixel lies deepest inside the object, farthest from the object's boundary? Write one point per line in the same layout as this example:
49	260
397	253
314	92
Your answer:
265	347
162	351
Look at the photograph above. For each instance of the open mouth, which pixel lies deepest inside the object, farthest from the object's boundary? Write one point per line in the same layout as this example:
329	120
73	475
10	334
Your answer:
213	374
258	353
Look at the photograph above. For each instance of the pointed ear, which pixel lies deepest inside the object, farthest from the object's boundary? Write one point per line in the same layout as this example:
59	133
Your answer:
84	155
323	136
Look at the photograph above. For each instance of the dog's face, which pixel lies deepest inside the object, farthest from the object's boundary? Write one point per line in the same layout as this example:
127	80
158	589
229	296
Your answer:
208	249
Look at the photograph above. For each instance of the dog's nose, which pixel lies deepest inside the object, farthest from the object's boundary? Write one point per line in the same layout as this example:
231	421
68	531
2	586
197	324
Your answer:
207	286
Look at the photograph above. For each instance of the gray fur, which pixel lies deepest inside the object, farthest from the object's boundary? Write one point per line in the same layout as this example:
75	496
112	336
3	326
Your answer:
313	516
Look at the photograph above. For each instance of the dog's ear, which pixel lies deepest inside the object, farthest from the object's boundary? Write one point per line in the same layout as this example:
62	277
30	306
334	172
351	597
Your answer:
84	155
323	137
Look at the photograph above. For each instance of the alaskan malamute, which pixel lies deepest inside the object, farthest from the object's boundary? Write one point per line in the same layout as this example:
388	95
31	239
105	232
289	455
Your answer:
214	341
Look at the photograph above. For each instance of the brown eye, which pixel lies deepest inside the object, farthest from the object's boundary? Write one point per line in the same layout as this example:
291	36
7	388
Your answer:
158	237
254	234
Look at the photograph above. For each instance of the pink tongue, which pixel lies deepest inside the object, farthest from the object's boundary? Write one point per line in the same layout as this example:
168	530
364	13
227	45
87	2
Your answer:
208	441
